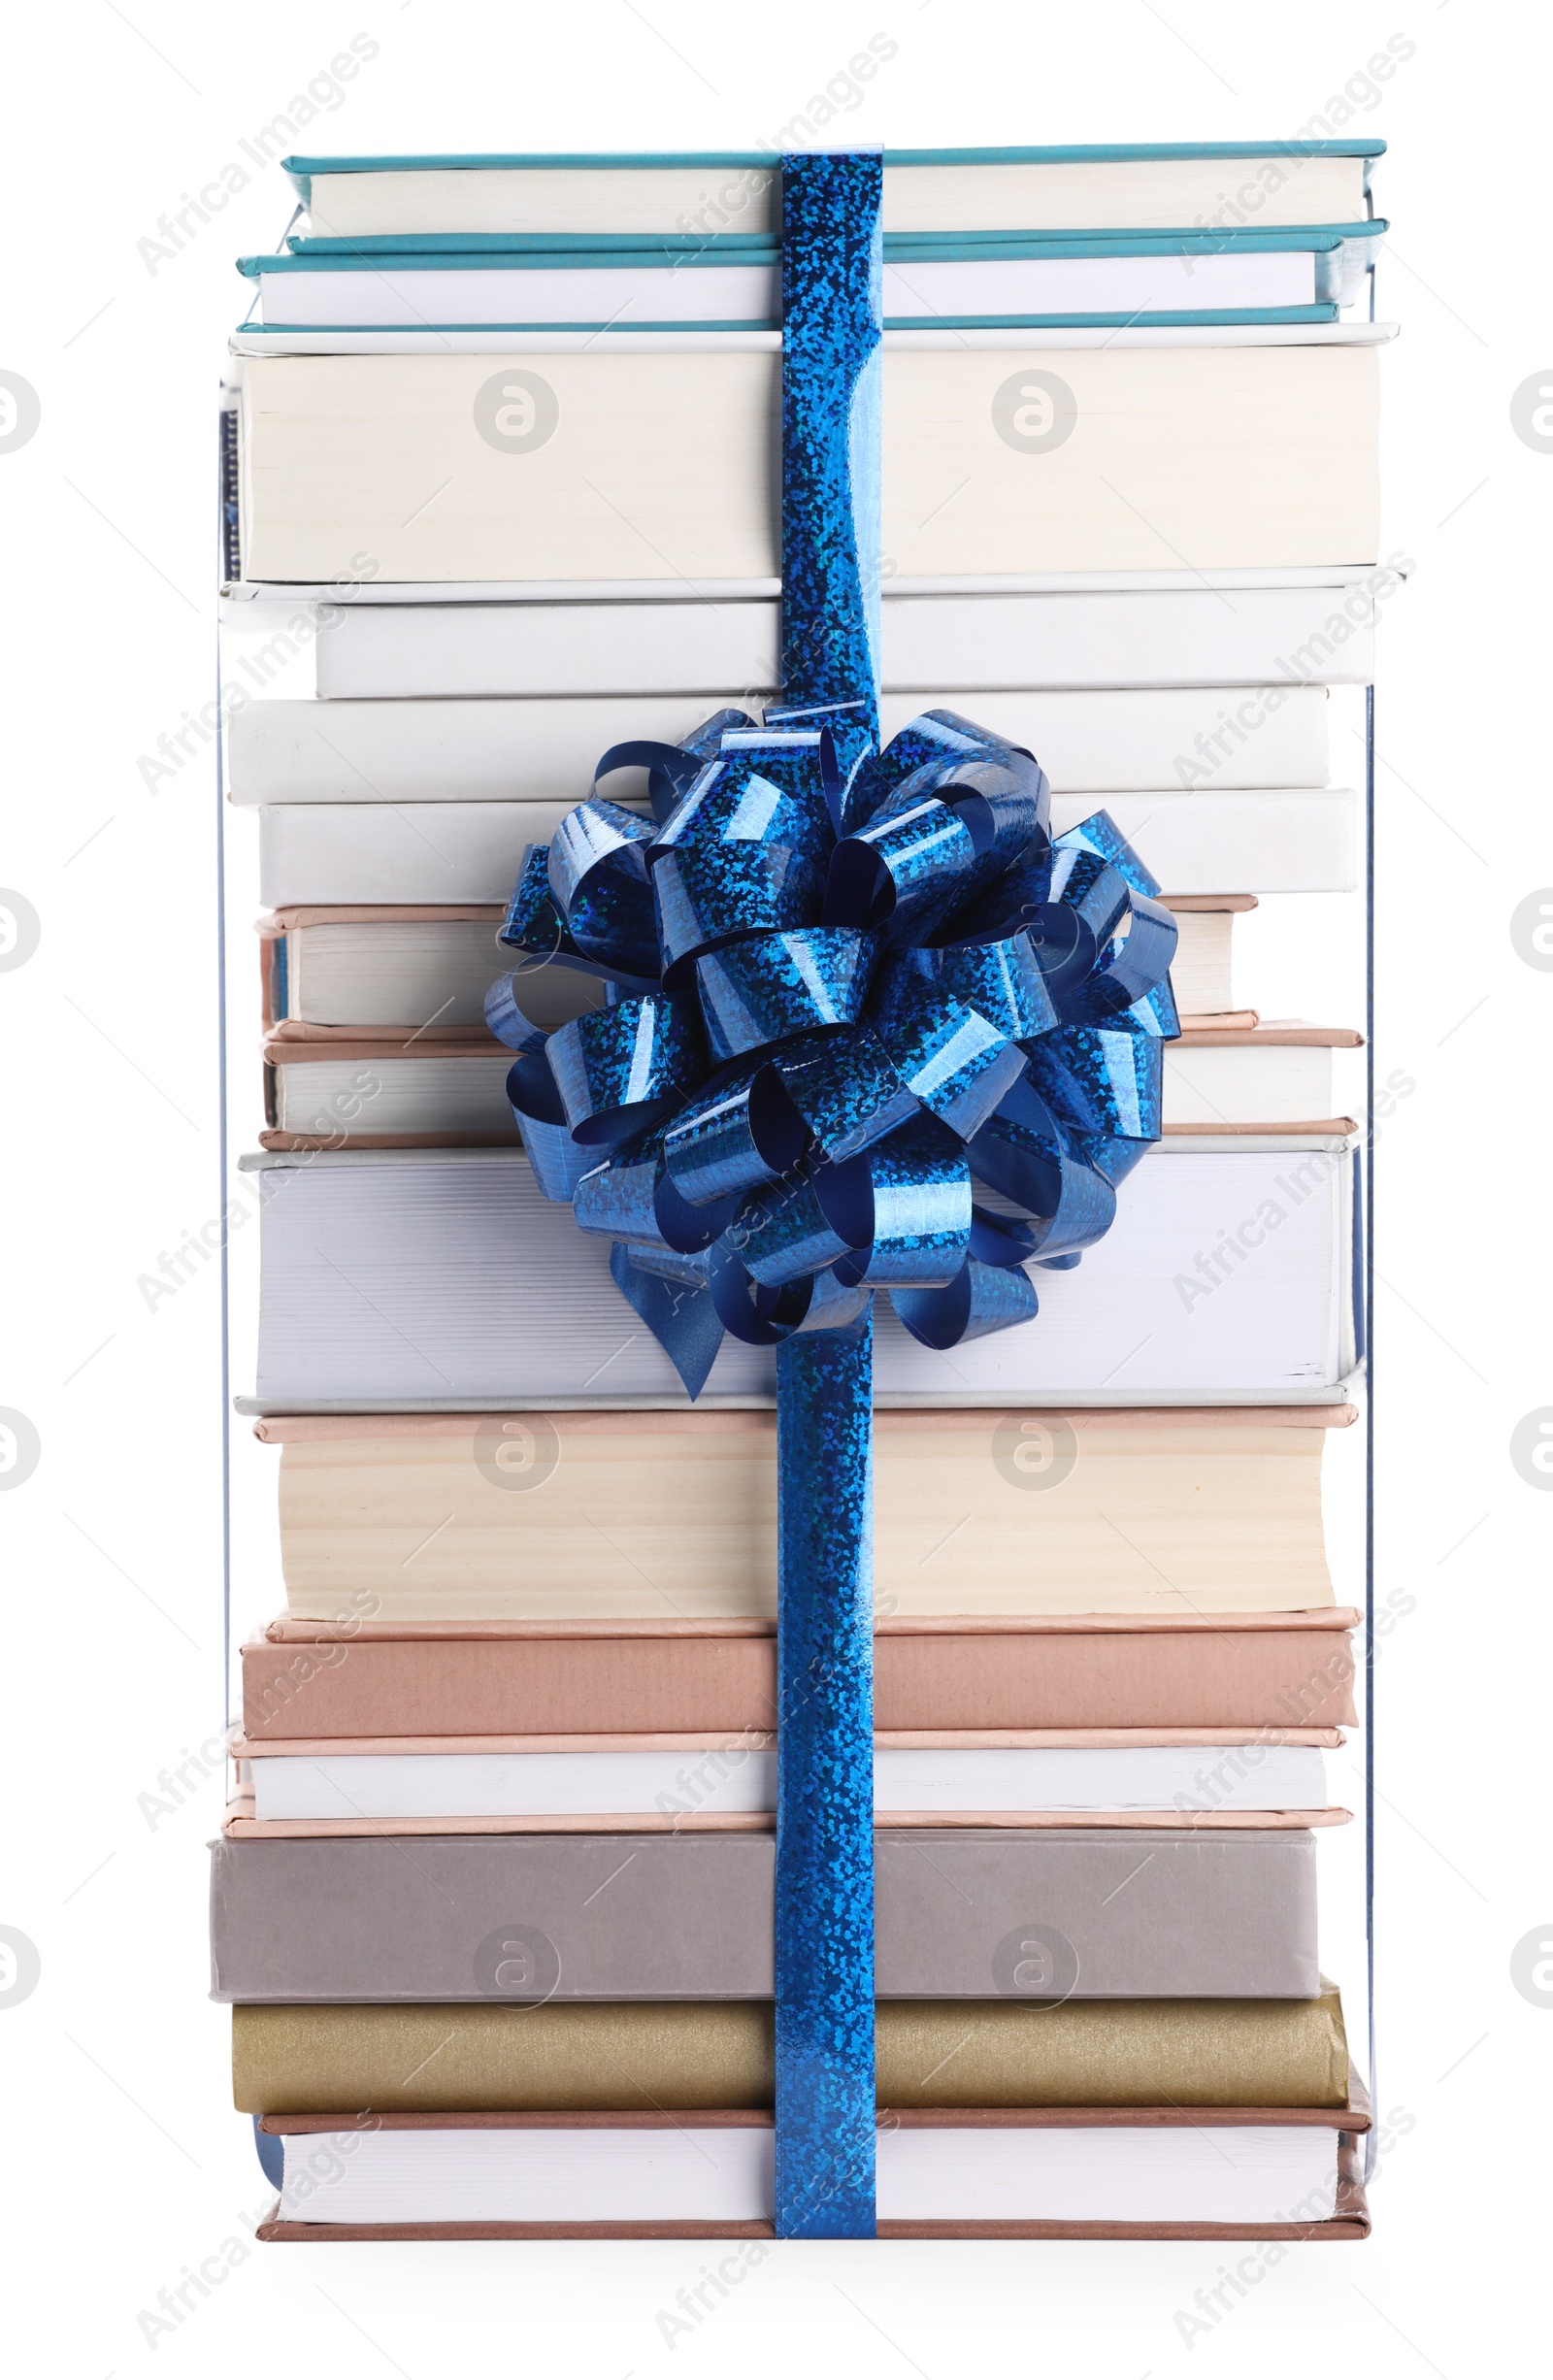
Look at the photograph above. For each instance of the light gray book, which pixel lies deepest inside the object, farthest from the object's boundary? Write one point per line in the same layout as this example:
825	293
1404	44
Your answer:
1145	1914
443	1278
546	749
1193	634
386	854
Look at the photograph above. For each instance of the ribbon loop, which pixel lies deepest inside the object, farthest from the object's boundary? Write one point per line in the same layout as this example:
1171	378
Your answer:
1101	835
671	768
507	1020
1136	961
905	867
845	733
775	986
919	1229
598	879
999	979
744	849
803	1223
746	1133
1023	1153
948	1056
981	1298
633	1198
1103	1079
622	1067
848	1095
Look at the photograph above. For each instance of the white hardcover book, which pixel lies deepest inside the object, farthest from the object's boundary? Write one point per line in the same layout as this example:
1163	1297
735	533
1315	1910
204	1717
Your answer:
1192	635
738	1779
1163	2172
437	1277
478	749
483	292
413	853
1281	1075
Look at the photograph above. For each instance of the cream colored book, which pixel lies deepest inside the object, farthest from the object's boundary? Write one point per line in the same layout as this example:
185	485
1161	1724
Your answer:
657	466
393	971
670	1519
1104	191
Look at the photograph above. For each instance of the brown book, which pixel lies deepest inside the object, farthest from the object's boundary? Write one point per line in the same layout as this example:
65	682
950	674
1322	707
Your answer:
1288	1670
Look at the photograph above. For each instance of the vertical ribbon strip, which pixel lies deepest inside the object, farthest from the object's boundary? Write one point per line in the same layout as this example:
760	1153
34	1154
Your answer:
832	267
825	1784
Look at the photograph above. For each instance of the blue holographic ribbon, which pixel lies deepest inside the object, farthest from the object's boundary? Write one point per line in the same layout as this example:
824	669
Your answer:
833	261
845	985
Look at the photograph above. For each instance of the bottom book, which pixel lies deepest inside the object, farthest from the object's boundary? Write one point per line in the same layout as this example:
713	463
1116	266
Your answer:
1018	2174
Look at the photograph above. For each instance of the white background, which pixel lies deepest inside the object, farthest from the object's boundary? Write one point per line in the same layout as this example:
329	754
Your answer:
124	2163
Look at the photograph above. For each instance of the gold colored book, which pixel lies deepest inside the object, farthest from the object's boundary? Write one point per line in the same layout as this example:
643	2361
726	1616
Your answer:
718	2054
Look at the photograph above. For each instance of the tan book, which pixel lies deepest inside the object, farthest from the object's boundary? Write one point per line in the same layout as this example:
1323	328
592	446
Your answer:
668	1520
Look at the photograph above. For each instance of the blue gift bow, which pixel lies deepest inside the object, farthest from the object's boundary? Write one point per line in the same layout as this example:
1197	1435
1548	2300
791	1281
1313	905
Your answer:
834	1004
1049	1144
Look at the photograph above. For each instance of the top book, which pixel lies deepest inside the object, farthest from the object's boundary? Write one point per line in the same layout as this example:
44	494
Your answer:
1170	185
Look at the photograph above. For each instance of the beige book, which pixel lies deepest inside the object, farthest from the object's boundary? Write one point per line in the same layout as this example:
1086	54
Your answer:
665	467
668	1517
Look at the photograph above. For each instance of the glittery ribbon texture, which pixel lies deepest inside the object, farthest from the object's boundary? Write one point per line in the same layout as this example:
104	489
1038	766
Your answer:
844	983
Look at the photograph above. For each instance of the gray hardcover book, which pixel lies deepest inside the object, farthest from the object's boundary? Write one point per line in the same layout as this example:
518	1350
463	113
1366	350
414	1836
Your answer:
966	1914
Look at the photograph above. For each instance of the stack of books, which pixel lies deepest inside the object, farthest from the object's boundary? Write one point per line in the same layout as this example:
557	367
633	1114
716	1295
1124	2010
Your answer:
494	1902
